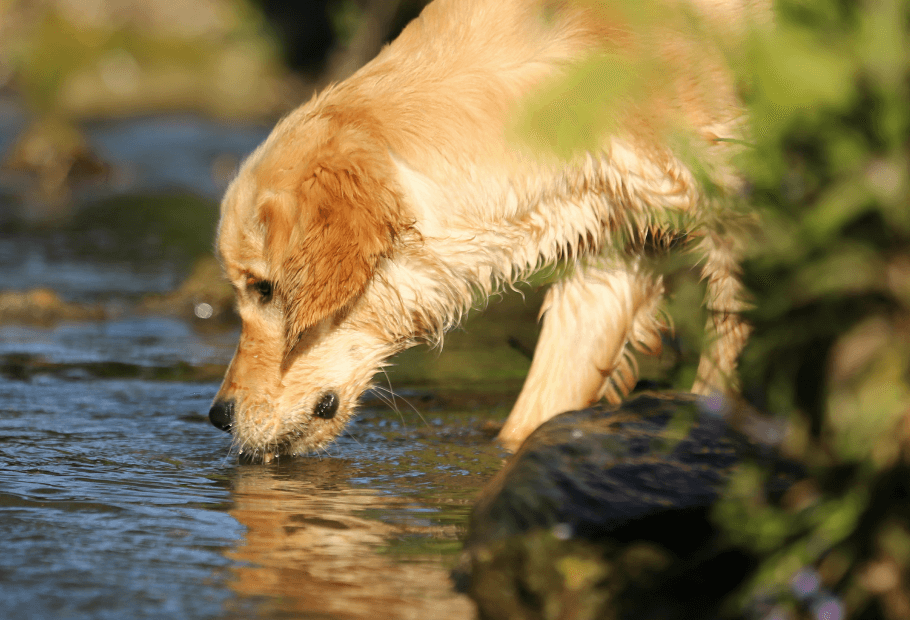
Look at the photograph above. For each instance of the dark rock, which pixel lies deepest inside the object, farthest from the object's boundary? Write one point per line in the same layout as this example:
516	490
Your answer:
605	513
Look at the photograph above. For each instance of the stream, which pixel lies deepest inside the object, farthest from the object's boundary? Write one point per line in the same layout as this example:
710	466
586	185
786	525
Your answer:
118	498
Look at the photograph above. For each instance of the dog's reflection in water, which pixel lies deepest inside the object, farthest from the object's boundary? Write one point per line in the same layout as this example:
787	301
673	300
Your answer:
309	551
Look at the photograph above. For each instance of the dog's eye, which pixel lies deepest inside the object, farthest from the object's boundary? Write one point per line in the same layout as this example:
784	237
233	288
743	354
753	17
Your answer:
263	288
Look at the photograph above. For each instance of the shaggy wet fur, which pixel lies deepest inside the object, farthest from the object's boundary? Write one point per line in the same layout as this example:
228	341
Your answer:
376	214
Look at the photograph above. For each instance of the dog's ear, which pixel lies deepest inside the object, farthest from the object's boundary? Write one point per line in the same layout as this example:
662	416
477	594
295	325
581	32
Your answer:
326	232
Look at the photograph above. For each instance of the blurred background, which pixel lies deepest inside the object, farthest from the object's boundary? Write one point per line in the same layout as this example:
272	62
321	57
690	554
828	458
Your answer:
72	74
65	64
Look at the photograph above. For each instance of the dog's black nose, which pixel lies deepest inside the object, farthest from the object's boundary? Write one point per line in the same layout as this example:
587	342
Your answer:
222	414
327	406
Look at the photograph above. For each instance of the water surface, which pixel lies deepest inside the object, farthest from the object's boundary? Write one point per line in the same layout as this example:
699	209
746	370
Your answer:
118	499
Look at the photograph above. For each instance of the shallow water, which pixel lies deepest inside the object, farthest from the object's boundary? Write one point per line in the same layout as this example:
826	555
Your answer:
118	498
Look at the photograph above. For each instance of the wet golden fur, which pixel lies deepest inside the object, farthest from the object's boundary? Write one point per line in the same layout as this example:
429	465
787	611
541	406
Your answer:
382	209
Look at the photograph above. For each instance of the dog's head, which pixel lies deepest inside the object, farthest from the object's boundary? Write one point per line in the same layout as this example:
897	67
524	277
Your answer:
306	227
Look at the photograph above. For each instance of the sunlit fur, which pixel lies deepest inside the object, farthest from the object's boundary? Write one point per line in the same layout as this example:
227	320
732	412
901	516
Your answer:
386	206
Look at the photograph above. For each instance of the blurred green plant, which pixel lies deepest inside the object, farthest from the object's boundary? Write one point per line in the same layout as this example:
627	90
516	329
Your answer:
68	58
827	164
71	60
828	91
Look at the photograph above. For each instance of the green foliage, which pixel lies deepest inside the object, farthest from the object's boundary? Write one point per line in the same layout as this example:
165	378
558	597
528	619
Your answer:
55	49
346	16
827	91
827	163
573	113
120	50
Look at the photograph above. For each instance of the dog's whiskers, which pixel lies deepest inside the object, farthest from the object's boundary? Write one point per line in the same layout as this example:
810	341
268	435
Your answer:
393	404
390	400
228	455
349	434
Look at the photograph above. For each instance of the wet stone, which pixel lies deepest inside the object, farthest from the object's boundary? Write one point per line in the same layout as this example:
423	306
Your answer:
605	513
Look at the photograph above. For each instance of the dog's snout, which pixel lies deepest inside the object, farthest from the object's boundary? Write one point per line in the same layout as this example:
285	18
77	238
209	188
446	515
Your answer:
222	414
327	406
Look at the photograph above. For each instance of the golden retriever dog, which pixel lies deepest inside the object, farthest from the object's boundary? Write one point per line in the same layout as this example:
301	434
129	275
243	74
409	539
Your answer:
375	215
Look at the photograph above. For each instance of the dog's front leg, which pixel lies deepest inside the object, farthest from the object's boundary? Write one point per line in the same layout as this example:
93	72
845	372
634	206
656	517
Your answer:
591	321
